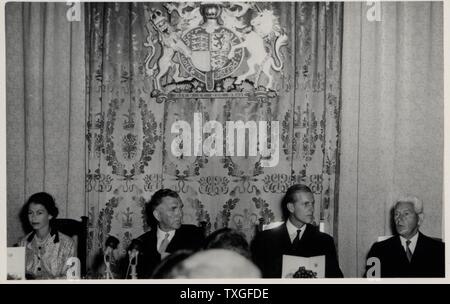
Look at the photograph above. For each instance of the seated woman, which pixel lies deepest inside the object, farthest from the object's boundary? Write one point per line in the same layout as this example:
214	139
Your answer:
46	250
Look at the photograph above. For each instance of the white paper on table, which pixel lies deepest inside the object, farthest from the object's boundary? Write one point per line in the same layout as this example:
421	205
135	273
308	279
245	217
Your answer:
16	263
292	263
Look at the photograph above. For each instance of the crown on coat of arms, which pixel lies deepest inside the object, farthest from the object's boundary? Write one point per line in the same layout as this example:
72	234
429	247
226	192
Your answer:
158	19
210	10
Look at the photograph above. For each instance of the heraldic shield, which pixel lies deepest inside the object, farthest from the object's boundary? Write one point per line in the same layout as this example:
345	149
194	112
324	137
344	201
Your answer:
209	60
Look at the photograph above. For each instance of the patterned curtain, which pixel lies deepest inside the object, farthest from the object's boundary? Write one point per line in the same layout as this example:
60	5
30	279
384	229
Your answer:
155	68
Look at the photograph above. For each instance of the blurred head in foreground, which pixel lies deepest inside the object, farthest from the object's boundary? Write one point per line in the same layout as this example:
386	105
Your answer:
227	238
216	263
169	266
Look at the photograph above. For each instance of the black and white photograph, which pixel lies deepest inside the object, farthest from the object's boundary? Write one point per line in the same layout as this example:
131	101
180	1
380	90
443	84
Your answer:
224	140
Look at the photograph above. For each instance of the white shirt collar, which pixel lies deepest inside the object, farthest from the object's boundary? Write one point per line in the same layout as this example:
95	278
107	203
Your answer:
161	235
292	230
412	245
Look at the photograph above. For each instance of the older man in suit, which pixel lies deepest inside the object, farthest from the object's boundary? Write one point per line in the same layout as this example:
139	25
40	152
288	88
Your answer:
164	213
410	253
295	237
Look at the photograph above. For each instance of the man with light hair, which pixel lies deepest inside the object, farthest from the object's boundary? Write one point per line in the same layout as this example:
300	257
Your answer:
410	253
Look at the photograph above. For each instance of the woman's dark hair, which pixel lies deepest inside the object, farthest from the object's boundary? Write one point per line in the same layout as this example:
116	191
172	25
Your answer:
289	197
227	238
41	198
154	202
168	268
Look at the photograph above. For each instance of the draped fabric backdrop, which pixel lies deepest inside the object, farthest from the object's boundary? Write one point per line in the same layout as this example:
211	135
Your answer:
129	139
45	93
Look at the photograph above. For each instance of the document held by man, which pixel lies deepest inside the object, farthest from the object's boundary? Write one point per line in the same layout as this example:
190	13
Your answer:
301	267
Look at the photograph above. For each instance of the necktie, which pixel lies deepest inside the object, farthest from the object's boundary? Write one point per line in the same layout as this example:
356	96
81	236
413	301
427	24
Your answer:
408	251
296	240
162	248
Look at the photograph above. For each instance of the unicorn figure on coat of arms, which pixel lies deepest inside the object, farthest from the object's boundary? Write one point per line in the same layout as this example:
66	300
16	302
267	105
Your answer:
264	28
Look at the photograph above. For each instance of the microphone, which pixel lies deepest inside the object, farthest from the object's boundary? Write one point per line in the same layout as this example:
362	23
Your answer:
135	247
135	244
133	252
111	243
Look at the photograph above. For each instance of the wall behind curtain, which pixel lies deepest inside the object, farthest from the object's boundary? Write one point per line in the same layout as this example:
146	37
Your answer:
129	139
392	122
45	94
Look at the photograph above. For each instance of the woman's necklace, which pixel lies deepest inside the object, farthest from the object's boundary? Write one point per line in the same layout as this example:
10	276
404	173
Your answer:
40	242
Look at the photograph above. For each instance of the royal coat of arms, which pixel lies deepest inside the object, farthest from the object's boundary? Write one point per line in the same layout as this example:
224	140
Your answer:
213	47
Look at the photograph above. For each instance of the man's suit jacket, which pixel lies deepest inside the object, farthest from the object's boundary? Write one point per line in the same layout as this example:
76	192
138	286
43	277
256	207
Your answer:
186	237
269	246
427	260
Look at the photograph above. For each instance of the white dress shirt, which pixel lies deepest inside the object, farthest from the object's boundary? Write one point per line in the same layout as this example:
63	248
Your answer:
161	235
292	230
413	243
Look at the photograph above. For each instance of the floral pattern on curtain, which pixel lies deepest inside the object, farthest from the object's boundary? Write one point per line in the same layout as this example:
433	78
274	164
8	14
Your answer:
129	137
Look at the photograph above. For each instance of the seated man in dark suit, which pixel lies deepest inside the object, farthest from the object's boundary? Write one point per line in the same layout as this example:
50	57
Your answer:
164	213
295	237
409	253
